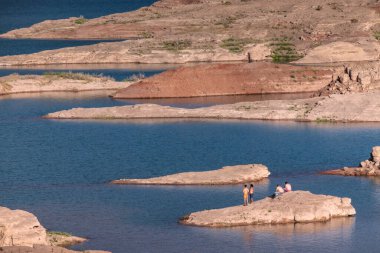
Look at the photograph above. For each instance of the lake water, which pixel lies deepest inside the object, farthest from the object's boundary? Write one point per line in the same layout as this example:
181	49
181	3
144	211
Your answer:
60	170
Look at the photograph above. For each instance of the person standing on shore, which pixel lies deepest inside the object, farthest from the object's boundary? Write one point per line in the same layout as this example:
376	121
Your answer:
245	195
251	191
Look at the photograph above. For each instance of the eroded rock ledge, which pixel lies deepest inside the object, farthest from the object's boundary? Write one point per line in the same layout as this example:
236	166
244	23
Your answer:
358	107
370	167
70	82
226	175
229	79
292	207
20	231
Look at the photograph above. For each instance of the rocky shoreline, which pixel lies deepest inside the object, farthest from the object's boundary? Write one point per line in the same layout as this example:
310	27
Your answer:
226	175
369	167
57	82
229	79
291	207
355	107
22	232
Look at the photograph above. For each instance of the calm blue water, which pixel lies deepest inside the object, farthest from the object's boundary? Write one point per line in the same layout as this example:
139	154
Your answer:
59	170
23	13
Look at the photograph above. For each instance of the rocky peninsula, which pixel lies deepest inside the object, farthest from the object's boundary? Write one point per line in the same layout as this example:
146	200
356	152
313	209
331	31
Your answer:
20	231
229	79
180	31
226	175
355	107
291	207
369	167
57	81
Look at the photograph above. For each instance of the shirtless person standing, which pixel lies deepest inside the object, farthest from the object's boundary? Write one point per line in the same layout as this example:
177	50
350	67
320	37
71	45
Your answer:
245	195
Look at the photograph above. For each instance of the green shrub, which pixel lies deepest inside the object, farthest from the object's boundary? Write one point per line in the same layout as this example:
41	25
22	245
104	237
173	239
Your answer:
235	45
283	51
81	20
176	45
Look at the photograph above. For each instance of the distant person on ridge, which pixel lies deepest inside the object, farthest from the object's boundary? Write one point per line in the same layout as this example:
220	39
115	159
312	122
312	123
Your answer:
245	195
288	187
251	191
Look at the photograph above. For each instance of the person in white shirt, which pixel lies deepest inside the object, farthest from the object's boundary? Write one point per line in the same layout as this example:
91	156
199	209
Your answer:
288	187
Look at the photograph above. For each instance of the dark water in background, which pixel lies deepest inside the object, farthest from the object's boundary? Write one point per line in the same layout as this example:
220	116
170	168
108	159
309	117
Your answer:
59	170
22	13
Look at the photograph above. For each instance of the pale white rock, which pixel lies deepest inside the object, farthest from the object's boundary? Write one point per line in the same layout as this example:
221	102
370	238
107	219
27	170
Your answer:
226	175
291	207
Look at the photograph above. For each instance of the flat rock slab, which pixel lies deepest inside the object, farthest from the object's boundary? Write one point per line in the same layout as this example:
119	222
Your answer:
356	107
291	207
226	175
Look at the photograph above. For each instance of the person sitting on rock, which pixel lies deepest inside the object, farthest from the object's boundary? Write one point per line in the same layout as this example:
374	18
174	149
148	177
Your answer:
251	191
279	191
288	187
245	195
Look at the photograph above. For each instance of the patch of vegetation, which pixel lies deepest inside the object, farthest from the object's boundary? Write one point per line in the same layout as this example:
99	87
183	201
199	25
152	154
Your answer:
134	77
226	22
81	20
176	45
75	76
354	20
58	233
235	45
283	51
324	120
376	35
146	35
226	3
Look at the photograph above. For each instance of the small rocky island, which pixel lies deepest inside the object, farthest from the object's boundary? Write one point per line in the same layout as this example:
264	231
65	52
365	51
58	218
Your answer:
21	232
58	81
226	175
291	207
370	167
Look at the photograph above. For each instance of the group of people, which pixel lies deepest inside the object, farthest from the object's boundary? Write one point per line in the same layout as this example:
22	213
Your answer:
248	192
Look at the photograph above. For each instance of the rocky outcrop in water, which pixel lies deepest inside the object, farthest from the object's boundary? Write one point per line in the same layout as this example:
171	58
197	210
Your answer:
229	79
226	175
20	228
354	78
291	207
60	81
370	167
356	107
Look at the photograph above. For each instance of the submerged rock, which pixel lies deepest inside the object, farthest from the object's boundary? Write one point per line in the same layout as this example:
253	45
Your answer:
370	167
226	175
291	207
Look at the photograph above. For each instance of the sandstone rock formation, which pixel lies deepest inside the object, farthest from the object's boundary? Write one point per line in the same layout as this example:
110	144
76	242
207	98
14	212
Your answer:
21	232
20	228
361	77
370	167
211	30
291	207
44	249
356	107
229	79
57	82
226	175
361	50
